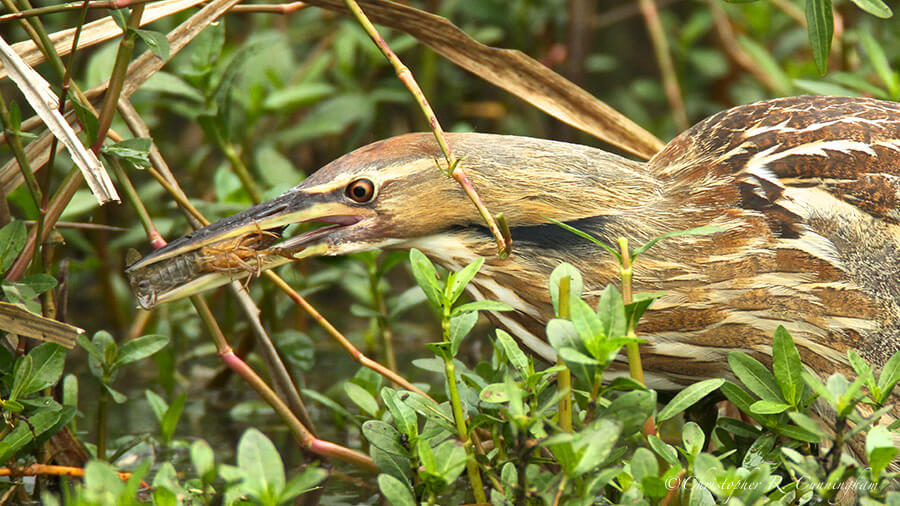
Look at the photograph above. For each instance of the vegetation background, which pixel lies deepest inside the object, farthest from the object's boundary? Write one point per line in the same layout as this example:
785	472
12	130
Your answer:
279	95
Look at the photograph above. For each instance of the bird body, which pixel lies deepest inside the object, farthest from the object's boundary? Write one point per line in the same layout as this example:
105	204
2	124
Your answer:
805	190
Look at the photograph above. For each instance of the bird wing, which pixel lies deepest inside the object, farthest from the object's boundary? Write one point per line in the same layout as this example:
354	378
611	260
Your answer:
848	147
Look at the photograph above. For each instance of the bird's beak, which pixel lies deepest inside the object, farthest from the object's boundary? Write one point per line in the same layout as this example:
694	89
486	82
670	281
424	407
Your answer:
239	246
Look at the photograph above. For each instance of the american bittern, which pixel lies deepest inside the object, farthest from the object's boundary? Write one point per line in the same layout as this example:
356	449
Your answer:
806	191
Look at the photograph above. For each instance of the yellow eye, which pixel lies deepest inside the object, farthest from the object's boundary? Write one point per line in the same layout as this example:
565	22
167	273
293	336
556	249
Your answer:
361	190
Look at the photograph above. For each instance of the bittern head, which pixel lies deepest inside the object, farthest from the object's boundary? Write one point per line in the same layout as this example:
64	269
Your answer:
391	194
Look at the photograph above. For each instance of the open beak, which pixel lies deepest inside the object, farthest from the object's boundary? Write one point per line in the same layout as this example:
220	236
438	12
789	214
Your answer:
238	246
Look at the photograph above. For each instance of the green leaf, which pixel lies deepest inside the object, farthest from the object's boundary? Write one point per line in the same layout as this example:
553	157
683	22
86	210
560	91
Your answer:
395	491
101	477
426	456
481	305
824	88
140	348
787	366
819	388
862	369
304	482
643	464
688	397
763	58
880	449
383	436
87	118
12	240
589	237
664	450
24	433
203	460
135	151
889	376
429	409
611	312
170	419
460	326
296	348
768	407
737	427
755	376
70	390
22	376
516	357
806	423
798	433
704	230
118	16
597	443
39	283
569	354
427	278
117	397
156	41
300	95
326	401
495	393
157	404
362	398
48	361
262	466
632	409
693	438
758	451
90	347
874	7
403	415
820	21
461	279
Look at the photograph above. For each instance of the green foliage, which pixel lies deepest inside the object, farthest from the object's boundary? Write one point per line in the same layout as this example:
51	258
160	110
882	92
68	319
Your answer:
258	478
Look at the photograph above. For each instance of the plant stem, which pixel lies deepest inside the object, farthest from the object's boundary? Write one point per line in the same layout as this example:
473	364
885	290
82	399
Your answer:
241	171
387	337
458	415
564	378
626	272
102	408
153	235
117	79
463	432
15	142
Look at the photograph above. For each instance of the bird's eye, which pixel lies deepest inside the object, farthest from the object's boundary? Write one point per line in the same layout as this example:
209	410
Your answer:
361	190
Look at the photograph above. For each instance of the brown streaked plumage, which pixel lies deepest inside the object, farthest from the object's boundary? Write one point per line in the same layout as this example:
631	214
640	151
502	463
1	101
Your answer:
805	189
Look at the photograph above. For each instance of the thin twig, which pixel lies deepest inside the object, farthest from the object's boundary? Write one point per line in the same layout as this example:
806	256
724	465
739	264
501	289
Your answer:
82	226
738	55
664	60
